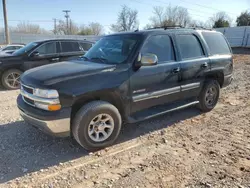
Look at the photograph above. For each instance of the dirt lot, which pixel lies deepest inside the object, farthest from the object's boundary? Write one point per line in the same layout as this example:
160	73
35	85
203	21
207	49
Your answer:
181	149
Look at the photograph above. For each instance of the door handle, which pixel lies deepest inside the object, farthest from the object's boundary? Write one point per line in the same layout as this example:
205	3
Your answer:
176	70
55	59
204	65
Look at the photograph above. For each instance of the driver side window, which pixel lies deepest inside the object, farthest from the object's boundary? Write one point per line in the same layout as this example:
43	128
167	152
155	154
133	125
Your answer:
160	45
46	49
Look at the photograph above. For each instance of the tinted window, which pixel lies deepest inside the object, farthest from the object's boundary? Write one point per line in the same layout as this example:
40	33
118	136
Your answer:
26	48
216	43
70	47
160	45
189	46
47	48
113	49
85	46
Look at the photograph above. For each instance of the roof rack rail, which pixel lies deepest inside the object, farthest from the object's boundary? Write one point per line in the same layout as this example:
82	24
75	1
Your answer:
180	27
167	27
200	27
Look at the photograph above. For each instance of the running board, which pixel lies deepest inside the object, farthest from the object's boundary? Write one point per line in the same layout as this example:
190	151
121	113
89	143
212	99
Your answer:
159	110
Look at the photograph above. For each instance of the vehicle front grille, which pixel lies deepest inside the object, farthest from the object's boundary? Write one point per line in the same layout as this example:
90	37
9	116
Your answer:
27	89
29	101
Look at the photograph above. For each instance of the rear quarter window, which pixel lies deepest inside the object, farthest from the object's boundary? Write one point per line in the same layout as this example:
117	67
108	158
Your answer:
217	43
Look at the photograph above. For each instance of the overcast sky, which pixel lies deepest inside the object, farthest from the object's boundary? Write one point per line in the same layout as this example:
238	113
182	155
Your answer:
105	11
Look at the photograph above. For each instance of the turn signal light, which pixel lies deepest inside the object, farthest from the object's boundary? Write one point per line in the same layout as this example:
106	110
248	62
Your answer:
54	107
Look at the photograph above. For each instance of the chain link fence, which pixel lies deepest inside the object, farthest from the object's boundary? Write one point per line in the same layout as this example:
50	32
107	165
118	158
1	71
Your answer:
27	38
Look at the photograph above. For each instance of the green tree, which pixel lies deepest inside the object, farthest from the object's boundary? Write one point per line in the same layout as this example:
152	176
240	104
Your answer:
243	19
220	19
93	28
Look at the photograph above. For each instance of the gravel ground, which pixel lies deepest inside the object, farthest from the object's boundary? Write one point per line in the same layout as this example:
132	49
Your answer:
181	149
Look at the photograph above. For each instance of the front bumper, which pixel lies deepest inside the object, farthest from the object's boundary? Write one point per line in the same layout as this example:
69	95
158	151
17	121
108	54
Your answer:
53	123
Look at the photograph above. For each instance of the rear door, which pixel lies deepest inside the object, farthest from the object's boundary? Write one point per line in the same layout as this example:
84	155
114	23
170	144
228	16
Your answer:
70	50
194	63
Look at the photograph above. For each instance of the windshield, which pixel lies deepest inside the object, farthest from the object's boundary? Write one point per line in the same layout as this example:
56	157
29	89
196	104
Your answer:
25	49
112	49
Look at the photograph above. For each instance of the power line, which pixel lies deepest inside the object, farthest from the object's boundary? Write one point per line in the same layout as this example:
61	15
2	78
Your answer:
166	3
29	20
207	7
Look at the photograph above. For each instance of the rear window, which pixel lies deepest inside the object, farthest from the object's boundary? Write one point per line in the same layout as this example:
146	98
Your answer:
190	46
216	43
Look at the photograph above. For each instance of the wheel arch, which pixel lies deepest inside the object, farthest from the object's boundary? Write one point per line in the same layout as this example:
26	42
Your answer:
108	96
216	75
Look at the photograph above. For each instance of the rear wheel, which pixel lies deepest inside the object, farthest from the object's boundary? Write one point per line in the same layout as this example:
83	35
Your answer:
96	125
11	79
209	95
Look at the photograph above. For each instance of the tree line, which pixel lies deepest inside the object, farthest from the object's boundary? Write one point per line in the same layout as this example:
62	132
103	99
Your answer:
127	20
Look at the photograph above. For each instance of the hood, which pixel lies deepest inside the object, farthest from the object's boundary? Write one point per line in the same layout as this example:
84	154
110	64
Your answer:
58	72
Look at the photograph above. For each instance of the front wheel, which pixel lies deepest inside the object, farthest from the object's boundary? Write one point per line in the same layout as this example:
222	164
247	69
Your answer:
11	79
96	125
209	95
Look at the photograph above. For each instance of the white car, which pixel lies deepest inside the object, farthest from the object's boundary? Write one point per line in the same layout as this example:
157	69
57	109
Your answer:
10	48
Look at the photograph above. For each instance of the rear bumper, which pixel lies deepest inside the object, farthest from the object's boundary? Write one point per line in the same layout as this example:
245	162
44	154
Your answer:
53	123
227	80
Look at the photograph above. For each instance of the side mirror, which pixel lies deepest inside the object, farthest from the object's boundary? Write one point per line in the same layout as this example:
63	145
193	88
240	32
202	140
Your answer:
34	54
148	59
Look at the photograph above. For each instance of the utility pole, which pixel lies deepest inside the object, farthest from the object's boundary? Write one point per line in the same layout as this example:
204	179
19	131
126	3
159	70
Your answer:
55	29
7	37
67	19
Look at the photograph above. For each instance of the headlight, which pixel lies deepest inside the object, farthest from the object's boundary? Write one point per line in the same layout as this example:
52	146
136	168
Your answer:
44	93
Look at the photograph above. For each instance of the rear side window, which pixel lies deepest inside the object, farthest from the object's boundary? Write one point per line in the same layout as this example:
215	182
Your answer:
70	47
216	43
190	46
85	46
160	45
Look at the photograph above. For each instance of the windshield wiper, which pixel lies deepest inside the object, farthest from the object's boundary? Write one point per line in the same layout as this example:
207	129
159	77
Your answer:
84	57
99	58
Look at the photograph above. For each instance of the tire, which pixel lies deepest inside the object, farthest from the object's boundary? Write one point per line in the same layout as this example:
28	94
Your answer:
207	98
83	124
9	74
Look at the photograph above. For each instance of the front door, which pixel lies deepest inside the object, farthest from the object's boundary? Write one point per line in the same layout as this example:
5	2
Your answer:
158	84
194	63
45	54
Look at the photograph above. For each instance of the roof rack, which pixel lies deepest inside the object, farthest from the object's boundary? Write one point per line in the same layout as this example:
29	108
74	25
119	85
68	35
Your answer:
180	27
168	27
200	27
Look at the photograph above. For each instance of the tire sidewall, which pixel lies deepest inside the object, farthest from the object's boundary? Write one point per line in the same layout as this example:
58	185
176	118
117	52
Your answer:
6	73
88	117
208	85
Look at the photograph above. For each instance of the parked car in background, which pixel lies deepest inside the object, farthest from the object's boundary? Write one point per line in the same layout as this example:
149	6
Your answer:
10	48
125	78
37	54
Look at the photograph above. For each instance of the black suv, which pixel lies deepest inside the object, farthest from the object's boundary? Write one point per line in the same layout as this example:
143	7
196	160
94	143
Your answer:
37	54
125	78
